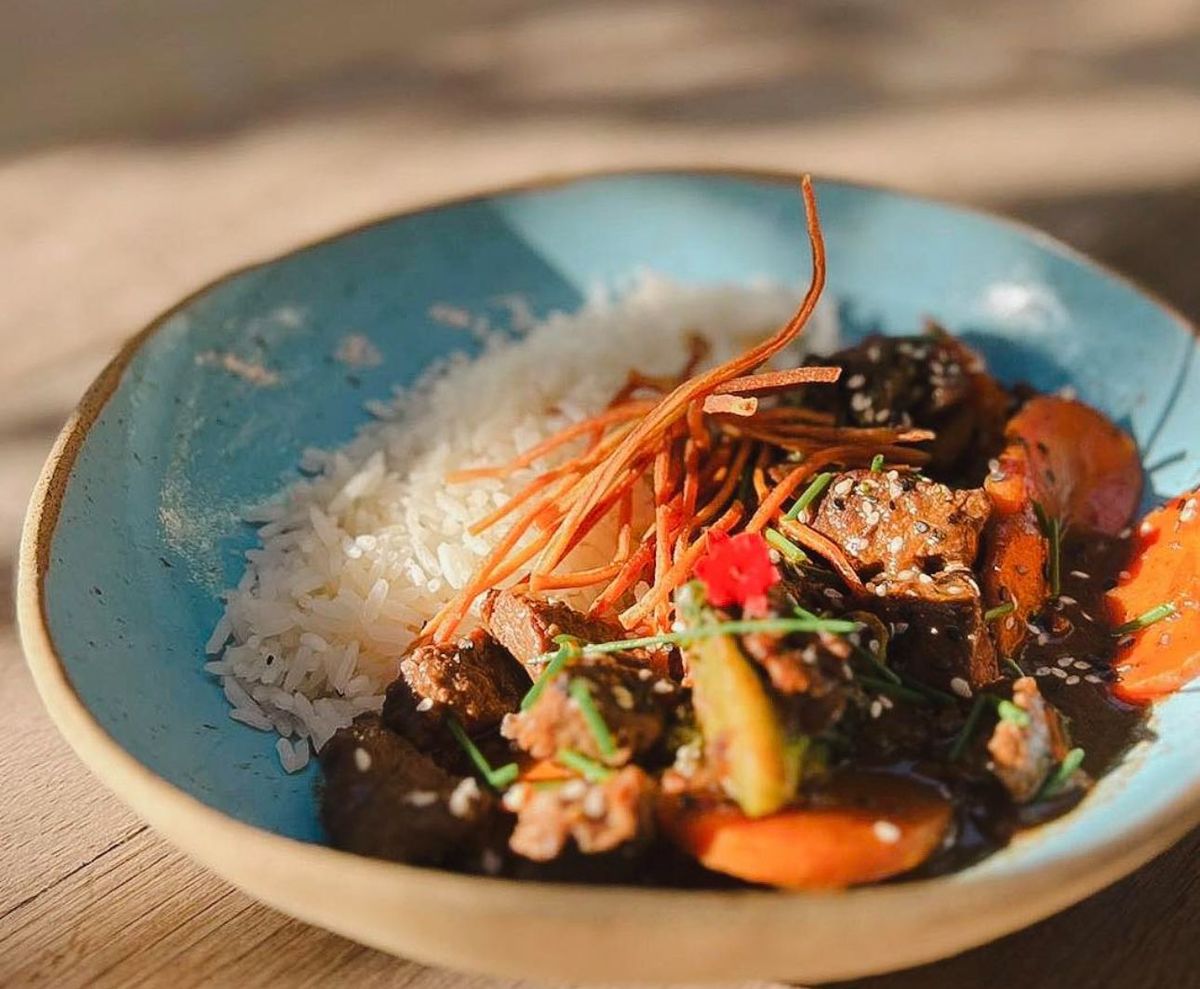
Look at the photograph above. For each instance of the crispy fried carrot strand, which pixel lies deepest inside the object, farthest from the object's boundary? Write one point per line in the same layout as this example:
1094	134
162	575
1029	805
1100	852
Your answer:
659	420
627	410
822	545
630	574
772	381
733	405
682	568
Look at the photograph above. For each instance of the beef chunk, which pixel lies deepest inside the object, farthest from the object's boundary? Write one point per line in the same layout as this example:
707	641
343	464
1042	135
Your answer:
631	700
808	673
898	524
599	817
526	626
932	381
940	635
913	541
475	680
1023	755
382	797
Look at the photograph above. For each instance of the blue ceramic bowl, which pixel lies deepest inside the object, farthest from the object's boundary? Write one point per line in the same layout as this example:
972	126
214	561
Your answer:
134	530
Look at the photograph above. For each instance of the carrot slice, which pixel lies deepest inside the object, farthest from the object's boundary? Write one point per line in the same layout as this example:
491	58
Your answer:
1164	570
1014	571
1081	467
874	825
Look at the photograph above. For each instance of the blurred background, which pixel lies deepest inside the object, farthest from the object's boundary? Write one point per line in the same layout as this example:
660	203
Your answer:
149	146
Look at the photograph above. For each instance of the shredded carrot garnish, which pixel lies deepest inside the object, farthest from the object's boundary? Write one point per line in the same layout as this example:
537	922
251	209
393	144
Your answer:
770	381
734	405
822	545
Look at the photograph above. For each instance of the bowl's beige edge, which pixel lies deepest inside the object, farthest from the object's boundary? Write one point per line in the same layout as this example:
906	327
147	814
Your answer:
558	932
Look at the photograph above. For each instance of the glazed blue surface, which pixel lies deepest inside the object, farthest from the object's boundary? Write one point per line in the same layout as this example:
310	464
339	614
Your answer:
149	532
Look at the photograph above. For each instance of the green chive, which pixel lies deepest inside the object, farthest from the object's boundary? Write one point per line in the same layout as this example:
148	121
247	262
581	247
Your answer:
589	769
877	463
932	693
811	494
1062	775
568	651
1014	666
968	728
787	549
878	665
498	778
779	626
892	689
1042	518
1155	614
1008	711
999	611
581	694
1055	557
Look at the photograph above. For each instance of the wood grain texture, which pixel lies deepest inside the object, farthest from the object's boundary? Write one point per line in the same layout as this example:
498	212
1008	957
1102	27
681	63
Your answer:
88	896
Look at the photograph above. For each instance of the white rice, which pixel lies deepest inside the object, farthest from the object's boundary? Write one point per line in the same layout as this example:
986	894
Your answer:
354	559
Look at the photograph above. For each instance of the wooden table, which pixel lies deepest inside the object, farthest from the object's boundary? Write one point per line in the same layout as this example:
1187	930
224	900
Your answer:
88	895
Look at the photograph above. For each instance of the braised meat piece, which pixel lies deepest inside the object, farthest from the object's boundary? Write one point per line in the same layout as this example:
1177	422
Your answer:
913	541
932	381
898	523
599	817
527	626
632	702
808	672
475	680
1023	754
939	635
382	797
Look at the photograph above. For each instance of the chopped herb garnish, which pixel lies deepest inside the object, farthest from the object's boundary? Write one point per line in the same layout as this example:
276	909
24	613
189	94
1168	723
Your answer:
569	650
811	494
1008	711
787	549
1013	665
1052	529
497	778
892	689
878	666
877	463
581	694
1055	557
589	769
999	611
1156	614
968	728
778	626
1062	775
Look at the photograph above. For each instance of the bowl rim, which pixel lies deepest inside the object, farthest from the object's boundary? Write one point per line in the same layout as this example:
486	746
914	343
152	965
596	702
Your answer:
1066	880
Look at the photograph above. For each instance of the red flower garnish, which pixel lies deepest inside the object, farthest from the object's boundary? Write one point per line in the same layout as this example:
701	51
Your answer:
738	570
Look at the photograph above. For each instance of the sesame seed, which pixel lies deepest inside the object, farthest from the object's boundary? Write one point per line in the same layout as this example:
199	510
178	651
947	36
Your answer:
421	798
595	804
960	687
856	381
843	486
933	630
1061	674
833	593
881	590
623	697
573	790
1066	661
464	795
1082	664
895	544
663	687
645	673
1082	575
876	709
1042	671
899	628
860	401
886	832
362	760
514	797
1092	678
426	704
1072	680
882	415
1064	599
